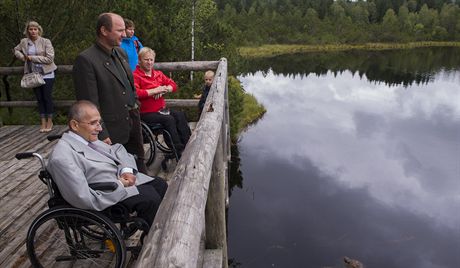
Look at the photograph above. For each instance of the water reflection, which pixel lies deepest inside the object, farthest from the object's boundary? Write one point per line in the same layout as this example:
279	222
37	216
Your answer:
393	67
343	166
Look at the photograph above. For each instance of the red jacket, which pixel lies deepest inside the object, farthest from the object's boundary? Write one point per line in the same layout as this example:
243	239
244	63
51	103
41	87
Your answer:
143	82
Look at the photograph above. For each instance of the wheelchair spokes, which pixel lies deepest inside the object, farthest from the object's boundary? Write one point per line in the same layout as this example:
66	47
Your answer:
84	238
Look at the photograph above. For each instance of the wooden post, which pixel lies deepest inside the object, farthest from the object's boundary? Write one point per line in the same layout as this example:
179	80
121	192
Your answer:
216	236
227	144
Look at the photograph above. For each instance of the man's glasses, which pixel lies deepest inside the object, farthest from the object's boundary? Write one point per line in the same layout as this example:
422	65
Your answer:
92	123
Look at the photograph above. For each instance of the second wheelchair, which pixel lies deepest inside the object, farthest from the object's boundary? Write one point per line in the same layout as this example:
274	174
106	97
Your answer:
157	137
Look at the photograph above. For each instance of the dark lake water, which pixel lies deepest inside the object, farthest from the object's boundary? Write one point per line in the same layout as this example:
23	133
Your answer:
358	155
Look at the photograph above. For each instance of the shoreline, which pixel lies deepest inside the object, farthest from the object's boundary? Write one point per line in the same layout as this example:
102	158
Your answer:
280	49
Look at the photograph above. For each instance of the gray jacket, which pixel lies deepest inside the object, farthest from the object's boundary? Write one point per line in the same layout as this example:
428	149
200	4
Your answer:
73	165
45	53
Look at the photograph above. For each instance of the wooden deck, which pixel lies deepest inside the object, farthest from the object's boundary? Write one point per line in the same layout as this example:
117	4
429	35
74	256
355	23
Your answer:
189	229
23	196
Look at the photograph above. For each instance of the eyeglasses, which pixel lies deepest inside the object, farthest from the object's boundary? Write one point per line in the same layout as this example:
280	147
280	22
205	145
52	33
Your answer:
93	123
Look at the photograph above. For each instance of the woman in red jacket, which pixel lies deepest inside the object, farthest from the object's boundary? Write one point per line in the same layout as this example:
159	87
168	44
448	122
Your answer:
151	85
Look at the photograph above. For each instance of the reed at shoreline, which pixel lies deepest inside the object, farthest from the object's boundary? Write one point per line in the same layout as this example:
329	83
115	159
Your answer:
275	50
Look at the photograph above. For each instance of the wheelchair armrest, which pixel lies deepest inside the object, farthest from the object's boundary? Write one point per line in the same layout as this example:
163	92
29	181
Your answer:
104	186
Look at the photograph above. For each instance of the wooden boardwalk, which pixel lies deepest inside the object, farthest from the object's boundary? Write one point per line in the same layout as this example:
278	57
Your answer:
23	196
189	229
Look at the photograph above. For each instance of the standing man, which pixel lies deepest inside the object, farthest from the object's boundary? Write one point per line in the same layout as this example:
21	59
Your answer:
102	75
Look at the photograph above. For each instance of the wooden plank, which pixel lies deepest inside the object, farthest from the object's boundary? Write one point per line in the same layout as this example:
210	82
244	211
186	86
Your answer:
17	172
164	66
24	196
5	131
10	138
13	250
40	145
21	143
7	167
57	103
19	70
173	103
26	138
20	203
187	66
174	238
18	181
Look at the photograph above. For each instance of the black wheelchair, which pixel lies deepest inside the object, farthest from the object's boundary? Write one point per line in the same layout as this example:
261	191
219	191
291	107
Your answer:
157	137
79	237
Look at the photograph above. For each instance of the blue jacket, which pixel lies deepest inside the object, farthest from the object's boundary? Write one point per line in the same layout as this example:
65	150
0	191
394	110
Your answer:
129	45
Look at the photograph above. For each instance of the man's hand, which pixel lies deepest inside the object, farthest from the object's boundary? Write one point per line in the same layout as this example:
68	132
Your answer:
108	141
128	179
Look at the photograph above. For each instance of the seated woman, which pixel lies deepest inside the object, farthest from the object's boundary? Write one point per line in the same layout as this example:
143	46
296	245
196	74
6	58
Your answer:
151	85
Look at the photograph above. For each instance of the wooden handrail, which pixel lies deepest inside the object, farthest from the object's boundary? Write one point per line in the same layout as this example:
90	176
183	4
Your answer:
66	103
164	66
174	239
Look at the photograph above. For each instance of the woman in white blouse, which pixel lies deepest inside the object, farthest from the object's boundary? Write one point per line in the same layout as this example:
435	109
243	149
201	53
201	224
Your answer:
38	53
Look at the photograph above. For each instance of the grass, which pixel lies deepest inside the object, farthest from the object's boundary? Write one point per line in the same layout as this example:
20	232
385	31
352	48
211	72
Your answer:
244	108
252	111
274	50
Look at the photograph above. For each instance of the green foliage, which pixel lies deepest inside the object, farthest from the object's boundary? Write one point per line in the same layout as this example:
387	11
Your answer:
164	25
244	108
221	26
341	21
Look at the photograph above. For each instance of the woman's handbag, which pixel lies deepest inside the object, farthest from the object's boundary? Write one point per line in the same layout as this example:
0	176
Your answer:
32	79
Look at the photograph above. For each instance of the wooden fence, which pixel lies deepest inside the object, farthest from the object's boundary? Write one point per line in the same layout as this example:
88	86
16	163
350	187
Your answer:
189	229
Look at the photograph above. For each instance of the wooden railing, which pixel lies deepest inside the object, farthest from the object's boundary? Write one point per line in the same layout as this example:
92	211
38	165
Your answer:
67	70
189	229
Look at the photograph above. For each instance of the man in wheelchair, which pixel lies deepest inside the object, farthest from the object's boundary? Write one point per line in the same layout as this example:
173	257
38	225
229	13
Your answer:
80	159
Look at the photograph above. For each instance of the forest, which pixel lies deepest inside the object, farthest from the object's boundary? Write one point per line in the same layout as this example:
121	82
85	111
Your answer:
257	22
221	28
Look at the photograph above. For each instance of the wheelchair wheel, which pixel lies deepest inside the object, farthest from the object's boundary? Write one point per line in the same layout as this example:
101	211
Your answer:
149	144
161	142
71	236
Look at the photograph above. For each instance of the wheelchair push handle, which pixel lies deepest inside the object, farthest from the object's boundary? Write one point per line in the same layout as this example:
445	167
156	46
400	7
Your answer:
25	155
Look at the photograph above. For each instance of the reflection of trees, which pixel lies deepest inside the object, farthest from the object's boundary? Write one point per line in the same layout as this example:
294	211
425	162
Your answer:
236	176
235	179
393	67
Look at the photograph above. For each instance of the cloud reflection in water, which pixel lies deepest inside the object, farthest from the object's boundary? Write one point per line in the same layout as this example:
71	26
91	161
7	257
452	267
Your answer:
387	155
